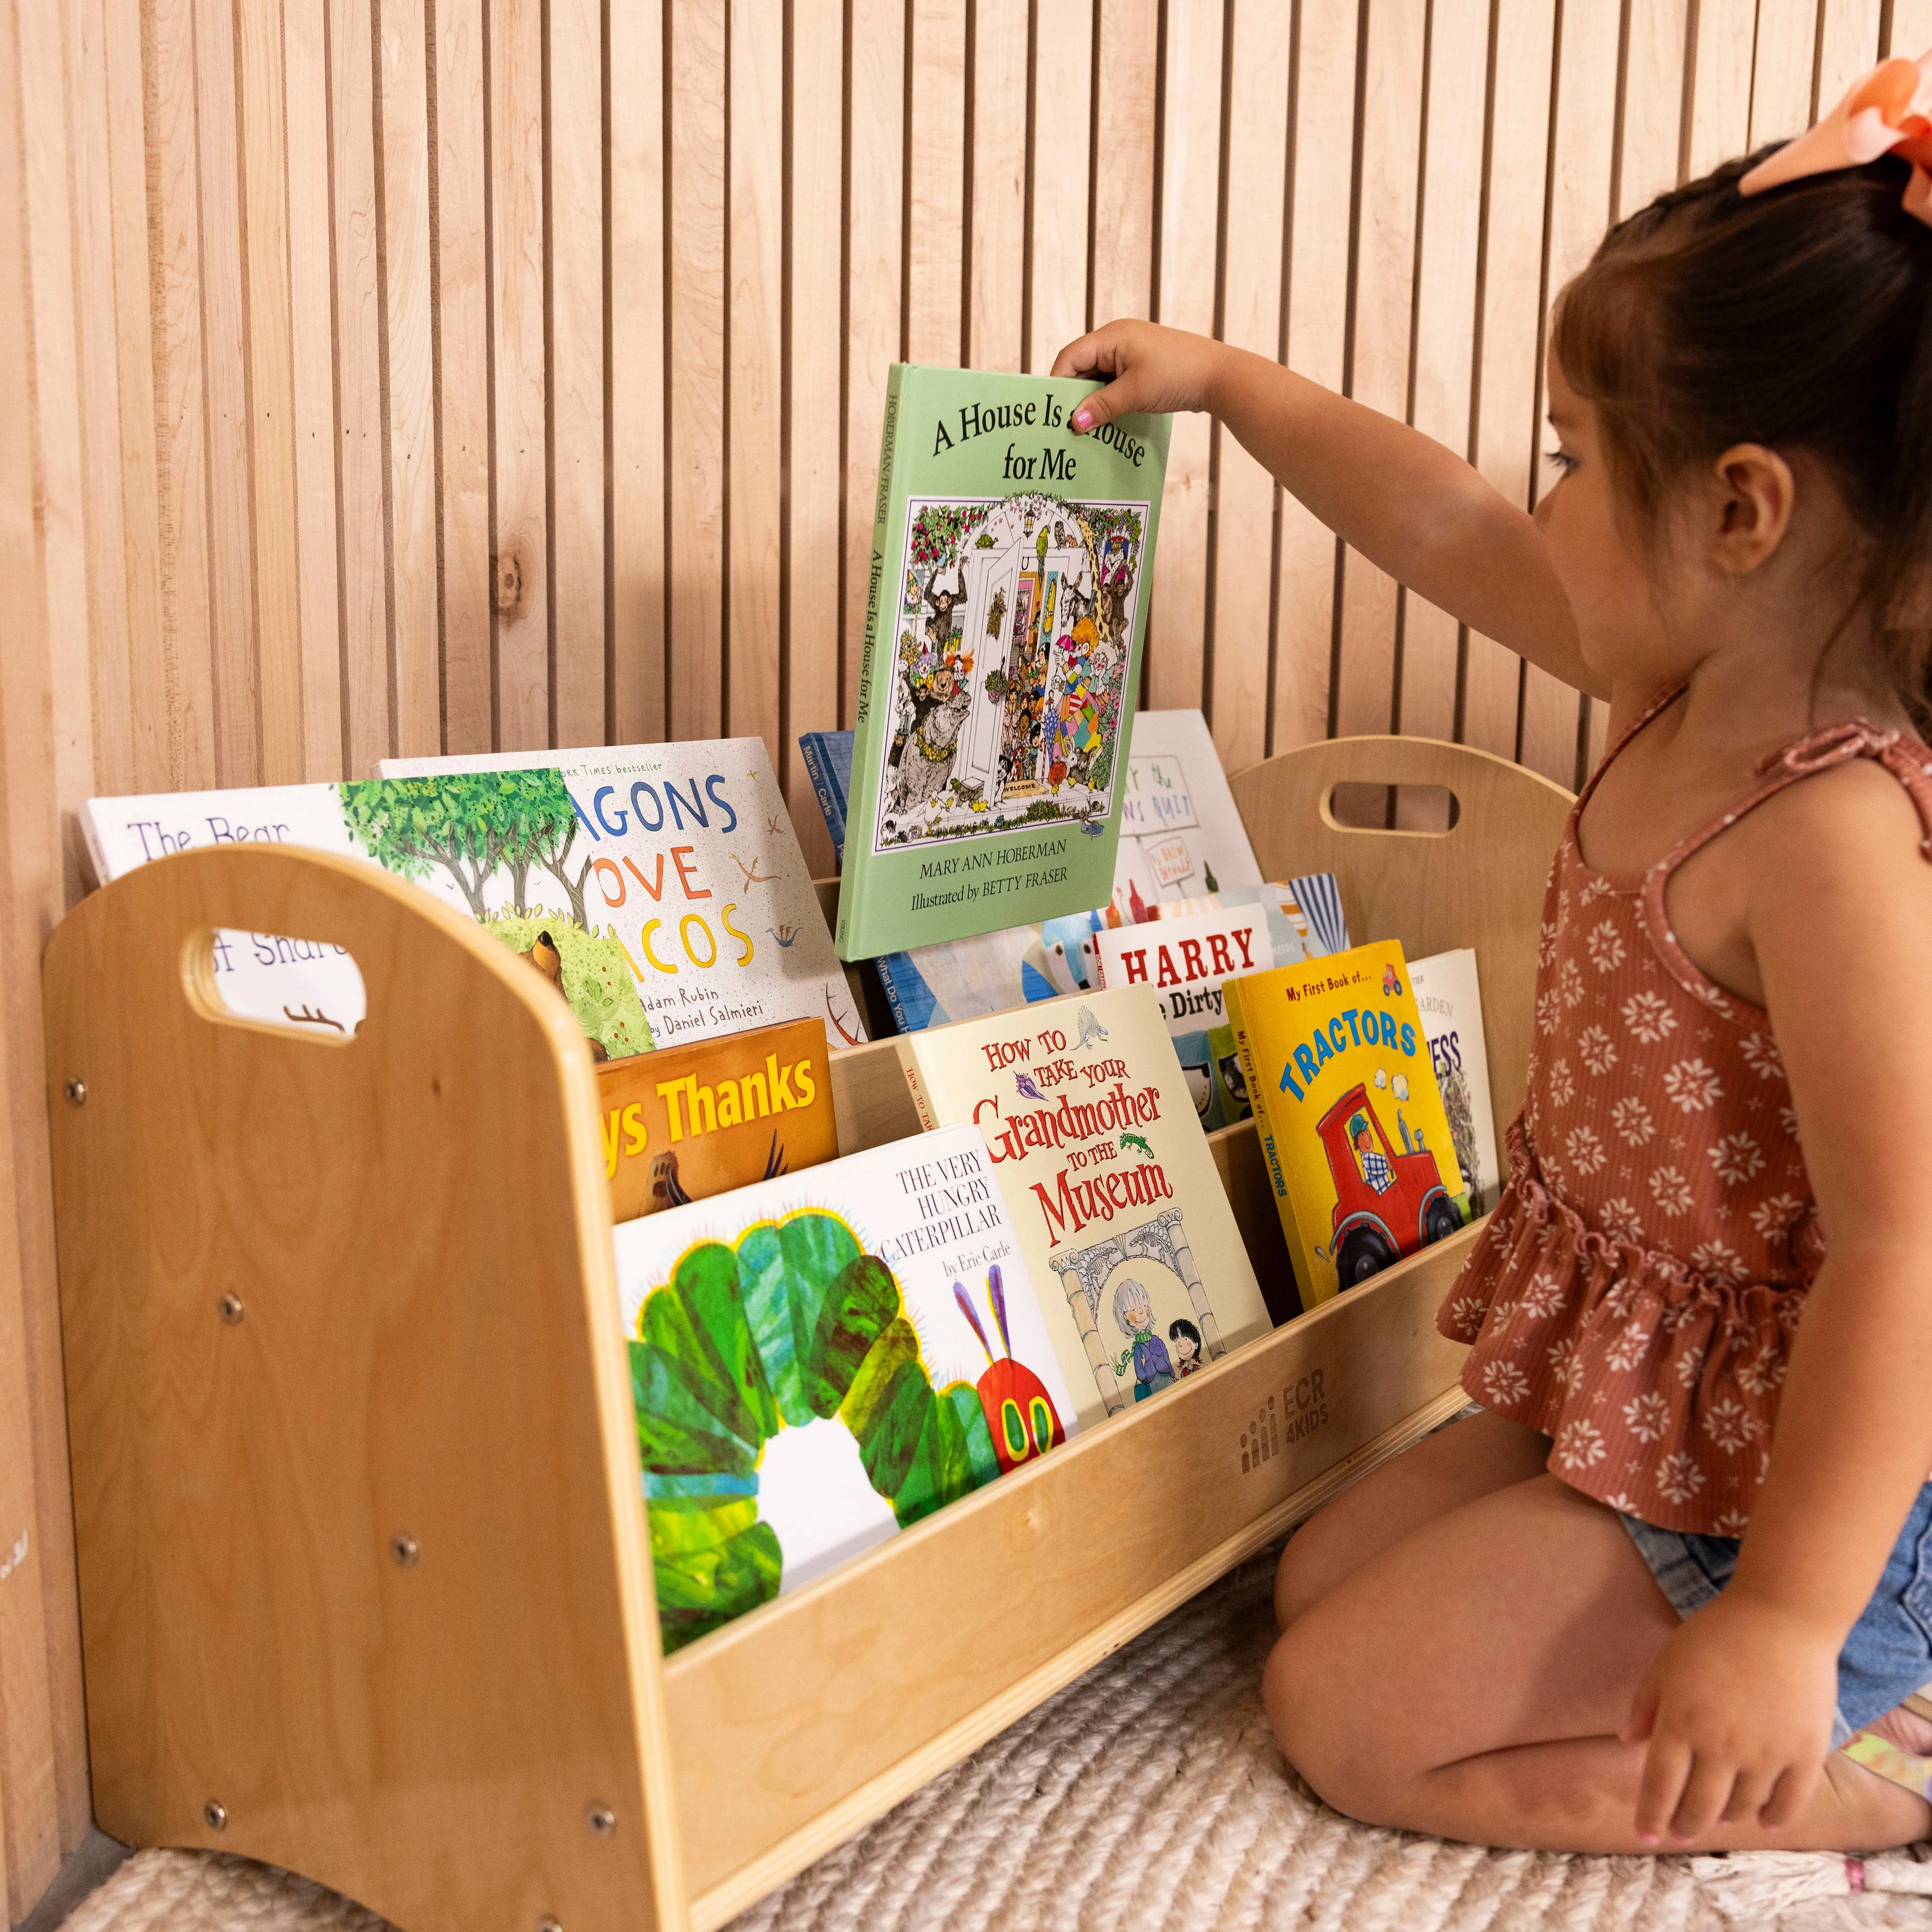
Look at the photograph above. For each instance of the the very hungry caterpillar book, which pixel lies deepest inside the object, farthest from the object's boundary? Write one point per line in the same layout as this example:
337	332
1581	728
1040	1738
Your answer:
1352	1127
1004	617
820	1360
688	1122
1095	1143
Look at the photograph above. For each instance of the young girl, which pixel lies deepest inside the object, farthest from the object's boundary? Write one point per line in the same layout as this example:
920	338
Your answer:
1549	1625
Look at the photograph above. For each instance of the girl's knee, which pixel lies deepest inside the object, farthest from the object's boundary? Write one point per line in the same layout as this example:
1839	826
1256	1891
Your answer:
1305	1691
1307	1571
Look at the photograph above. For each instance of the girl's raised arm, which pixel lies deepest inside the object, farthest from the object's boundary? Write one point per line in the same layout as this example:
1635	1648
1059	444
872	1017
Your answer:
1408	504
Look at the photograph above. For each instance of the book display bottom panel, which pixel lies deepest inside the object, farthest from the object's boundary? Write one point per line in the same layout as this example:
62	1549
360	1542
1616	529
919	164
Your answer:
365	1585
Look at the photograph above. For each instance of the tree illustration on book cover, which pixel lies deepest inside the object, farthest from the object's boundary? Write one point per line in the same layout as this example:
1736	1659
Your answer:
474	827
793	1327
1016	626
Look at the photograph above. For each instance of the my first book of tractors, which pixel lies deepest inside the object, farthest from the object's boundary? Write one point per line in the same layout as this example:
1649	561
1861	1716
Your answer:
1352	1126
1004	617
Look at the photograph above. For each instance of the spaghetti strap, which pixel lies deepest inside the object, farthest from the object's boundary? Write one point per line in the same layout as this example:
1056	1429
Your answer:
1902	755
1662	701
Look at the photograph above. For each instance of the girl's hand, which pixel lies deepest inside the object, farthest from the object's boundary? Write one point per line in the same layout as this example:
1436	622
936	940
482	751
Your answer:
1154	369
1737	1711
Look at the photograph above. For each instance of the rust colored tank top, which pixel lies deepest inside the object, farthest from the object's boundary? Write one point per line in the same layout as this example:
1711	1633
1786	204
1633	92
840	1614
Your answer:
1636	1294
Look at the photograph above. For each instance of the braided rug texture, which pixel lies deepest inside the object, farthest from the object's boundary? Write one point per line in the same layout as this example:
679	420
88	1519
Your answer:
1147	1794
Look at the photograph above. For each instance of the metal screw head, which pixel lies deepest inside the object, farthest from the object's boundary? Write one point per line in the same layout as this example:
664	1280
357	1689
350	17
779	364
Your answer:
230	1306
403	1548
216	1812
603	1820
76	1091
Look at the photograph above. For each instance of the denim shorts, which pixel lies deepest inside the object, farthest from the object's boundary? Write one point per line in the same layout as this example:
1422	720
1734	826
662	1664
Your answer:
1888	1653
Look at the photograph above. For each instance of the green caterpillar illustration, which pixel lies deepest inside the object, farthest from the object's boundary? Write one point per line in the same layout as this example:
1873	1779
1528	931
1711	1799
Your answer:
795	1321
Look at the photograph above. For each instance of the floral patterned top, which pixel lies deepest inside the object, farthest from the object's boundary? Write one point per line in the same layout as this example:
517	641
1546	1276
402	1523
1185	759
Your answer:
1636	1294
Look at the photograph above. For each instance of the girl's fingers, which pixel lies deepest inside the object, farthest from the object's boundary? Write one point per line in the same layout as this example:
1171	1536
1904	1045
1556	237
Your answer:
1666	1764
1706	1793
1749	1796
1789	1796
1117	399
1091	354
1643	1718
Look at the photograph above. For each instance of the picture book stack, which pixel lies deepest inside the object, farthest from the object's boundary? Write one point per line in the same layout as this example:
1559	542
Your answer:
1358	1147
660	887
821	1360
1004	618
1094	1140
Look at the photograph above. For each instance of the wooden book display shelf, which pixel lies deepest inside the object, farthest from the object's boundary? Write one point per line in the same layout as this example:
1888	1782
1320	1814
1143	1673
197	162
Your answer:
365	1585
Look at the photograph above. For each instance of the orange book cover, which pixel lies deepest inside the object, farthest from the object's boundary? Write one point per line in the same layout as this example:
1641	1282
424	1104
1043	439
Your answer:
687	1122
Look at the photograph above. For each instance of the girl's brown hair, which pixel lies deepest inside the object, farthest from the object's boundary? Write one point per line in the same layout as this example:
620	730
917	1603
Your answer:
1800	318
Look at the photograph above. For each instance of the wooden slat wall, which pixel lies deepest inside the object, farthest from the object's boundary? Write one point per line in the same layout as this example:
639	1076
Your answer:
401	376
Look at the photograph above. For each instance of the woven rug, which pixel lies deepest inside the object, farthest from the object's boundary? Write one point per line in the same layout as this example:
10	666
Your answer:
1148	1794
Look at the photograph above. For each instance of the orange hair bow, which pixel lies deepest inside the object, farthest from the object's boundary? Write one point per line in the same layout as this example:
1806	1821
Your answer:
1889	111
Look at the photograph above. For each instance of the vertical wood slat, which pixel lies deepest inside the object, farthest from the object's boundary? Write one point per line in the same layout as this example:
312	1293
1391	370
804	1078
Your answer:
1721	82
1124	149
521	537
1184	298
876	325
461	353
1317	313
695	349
1364	697
1911	29
816	488
1063	82
755	240
1781	70
1847	46
637	371
1653	116
995	321
574	377
305	82
1445	314
935	188
410	440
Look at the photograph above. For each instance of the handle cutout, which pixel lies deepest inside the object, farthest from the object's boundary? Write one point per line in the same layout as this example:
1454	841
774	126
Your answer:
1424	808
311	988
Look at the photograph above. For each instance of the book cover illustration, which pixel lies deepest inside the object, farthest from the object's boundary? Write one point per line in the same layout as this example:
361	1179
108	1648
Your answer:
1357	1146
821	1360
1186	960
1096	1147
1450	1003
1181	834
688	1122
1003	628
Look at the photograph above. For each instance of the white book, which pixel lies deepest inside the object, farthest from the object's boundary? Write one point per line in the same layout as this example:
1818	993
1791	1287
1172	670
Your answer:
822	1359
1451	1004
666	879
1181	833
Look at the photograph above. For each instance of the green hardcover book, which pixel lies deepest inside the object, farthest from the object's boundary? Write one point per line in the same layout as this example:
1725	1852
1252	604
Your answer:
1003	626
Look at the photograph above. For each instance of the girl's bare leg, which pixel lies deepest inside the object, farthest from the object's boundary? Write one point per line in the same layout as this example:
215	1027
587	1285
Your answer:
1442	1472
1470	1680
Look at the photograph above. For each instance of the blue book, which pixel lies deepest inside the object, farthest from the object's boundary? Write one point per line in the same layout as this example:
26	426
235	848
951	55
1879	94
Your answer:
828	763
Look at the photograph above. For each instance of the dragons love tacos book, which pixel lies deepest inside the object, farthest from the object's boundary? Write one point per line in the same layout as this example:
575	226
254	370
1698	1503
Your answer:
1003	626
1095	1142
822	1359
1352	1128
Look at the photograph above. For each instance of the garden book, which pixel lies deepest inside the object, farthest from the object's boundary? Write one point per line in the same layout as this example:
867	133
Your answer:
680	841
1351	1126
1450	1003
821	1359
1186	960
1096	1145
1005	611
687	1122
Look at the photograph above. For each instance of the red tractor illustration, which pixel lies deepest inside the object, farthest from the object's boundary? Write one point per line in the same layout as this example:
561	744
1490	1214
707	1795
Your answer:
1386	1204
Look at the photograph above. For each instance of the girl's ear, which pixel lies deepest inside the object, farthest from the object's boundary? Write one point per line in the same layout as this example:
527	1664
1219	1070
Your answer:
1751	500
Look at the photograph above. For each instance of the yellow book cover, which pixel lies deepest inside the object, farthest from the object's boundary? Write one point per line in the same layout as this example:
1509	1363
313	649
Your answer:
1352	1126
689	1121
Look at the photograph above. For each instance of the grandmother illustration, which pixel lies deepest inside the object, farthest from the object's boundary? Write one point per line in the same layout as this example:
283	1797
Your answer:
1133	1315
